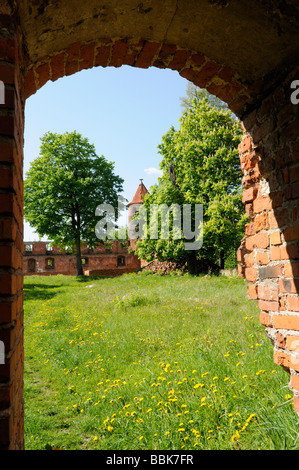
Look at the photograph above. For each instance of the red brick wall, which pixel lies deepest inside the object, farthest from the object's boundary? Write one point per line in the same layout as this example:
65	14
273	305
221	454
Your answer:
218	79
269	256
100	261
11	233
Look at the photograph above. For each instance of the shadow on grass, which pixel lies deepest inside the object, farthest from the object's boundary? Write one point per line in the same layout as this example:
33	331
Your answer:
40	291
84	278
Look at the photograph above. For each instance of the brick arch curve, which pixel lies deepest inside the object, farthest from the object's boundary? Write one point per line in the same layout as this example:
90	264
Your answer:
269	154
219	80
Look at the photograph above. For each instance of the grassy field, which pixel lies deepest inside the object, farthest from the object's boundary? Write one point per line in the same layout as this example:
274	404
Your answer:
151	362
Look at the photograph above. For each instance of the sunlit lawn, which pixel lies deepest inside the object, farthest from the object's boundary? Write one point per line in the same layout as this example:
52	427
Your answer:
151	362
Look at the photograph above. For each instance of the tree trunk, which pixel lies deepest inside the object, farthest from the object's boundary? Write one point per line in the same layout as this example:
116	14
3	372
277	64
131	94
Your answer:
221	259
79	267
192	263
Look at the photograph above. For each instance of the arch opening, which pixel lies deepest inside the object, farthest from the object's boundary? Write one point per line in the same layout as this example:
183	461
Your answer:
258	93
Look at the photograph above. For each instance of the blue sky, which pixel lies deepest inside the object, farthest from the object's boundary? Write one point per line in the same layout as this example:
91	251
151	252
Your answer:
123	111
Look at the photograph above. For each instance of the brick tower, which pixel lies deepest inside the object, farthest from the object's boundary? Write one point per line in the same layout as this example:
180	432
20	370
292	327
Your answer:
134	206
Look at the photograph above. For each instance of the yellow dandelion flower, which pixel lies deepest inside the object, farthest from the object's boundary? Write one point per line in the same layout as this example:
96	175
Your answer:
198	385
250	417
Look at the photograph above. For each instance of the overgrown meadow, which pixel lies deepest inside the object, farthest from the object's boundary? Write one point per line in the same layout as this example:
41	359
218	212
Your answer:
151	362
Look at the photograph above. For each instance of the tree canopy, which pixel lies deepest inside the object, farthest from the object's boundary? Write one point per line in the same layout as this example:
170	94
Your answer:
63	187
200	165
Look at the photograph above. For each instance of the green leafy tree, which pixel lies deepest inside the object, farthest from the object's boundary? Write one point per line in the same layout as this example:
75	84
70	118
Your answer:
195	93
200	165
63	187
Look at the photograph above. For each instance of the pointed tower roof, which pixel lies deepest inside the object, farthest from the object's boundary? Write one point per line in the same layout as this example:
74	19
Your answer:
138	197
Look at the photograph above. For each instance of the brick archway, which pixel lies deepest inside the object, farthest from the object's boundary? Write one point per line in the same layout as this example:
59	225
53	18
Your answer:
258	92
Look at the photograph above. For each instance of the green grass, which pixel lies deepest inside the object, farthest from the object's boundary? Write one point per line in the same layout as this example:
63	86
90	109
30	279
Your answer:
151	362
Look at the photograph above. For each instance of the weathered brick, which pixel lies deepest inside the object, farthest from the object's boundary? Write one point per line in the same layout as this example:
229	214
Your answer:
102	55
291	233
262	257
260	240
147	54
57	66
278	218
73	51
245	145
249	229
71	67
249	259
292	191
286	322
275	238
289	285
282	359
261	222
198	59
292	343
280	340
266	293
296	403
179	59
189	73
207	72
268	272
290	251
251	274
252	291
261	131
261	204
266	319
119	51
30	83
249	195
268	306
43	74
295	385
293	303
275	254
294	174
291	270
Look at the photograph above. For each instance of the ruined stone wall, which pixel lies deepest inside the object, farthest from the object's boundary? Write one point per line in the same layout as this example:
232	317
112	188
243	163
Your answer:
269	256
114	261
11	231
